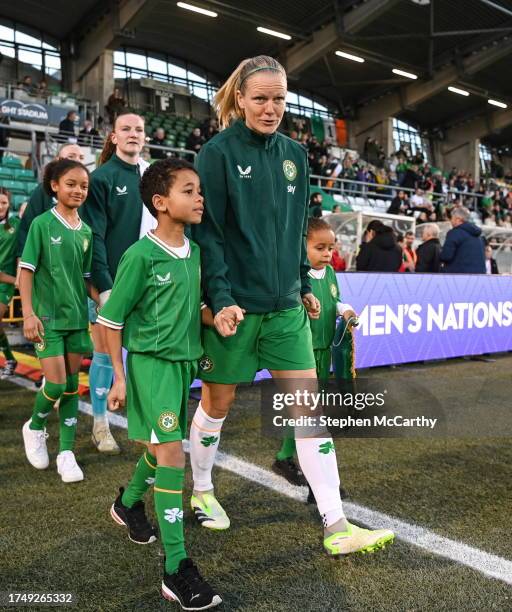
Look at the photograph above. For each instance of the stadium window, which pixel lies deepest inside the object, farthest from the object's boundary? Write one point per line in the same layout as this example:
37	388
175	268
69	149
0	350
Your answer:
30	57
157	66
404	133
135	60
485	157
300	104
7	51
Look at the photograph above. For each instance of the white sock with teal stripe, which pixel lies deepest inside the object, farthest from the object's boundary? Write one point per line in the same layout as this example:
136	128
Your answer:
204	441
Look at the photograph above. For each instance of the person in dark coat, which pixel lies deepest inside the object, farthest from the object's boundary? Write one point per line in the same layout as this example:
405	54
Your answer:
463	249
380	252
491	266
399	204
429	250
67	125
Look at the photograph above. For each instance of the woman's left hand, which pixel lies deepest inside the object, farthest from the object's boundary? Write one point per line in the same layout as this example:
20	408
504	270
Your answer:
312	305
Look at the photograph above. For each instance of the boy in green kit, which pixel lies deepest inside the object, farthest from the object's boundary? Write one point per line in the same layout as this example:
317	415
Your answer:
154	312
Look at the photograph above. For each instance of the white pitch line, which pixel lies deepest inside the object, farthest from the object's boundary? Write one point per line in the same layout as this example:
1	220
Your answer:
486	563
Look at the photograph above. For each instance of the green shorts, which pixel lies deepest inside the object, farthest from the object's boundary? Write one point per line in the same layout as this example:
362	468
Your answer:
6	293
60	342
156	397
274	341
323	363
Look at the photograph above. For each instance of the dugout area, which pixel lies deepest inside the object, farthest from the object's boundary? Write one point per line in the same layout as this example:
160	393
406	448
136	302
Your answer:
270	559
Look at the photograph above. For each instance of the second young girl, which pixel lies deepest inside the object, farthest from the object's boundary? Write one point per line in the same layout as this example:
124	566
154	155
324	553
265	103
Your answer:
55	266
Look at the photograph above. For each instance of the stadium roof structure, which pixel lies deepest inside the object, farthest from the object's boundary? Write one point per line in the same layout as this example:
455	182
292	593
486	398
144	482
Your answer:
461	43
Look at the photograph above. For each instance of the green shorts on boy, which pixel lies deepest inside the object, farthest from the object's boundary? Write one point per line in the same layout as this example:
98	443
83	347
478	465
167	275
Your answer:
156	302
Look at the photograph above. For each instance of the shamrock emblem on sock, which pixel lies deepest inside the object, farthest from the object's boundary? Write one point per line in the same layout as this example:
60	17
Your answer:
173	514
326	448
209	441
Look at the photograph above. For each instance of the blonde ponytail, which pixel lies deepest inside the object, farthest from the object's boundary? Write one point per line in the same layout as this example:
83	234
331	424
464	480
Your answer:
225	101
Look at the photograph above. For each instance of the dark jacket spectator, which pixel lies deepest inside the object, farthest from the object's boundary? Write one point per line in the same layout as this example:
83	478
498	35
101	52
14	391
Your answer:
411	178
115	104
491	266
315	205
463	250
195	140
381	253
88	133
399	204
67	125
429	250
159	140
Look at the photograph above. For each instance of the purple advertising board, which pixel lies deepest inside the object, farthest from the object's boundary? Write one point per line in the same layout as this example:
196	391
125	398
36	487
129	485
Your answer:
416	317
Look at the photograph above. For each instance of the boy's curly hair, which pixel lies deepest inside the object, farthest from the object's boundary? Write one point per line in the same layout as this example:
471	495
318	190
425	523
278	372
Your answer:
159	179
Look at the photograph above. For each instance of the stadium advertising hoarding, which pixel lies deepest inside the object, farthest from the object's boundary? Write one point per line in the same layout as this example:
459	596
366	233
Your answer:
416	317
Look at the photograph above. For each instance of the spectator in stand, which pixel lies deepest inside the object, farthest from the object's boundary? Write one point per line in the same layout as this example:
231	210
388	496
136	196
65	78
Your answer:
463	249
380	252
338	261
195	140
399	204
42	89
409	254
336	209
209	128
67	127
26	85
315	205
491	267
115	104
411	178
429	251
88	134
158	140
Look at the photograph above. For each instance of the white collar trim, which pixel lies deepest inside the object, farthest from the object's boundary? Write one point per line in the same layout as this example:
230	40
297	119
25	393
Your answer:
64	222
165	247
318	274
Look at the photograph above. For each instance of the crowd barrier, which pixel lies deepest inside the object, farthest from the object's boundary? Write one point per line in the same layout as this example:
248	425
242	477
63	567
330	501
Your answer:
417	317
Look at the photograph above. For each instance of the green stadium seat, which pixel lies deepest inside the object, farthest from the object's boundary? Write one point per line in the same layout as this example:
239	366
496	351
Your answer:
29	187
17	200
12	162
6	173
22	174
13	186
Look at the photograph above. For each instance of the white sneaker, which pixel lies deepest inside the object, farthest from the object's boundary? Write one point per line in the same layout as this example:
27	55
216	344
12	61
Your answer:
102	439
35	446
68	468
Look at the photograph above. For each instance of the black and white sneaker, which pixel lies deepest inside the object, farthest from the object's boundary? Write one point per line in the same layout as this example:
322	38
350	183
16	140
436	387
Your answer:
8	369
189	589
289	470
140	529
311	497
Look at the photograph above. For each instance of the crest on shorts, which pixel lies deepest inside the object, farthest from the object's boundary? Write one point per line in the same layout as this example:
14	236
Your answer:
40	346
334	290
206	364
168	421
289	169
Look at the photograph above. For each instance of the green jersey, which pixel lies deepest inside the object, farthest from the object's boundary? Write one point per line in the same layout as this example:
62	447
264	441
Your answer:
8	237
155	300
325	288
60	257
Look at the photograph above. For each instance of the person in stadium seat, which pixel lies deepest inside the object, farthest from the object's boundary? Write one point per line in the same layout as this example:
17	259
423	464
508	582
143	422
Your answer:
88	133
117	217
255	182
8	228
491	266
409	254
399	204
67	126
115	105
380	251
315	204
40	201
195	140
429	250
463	248
158	140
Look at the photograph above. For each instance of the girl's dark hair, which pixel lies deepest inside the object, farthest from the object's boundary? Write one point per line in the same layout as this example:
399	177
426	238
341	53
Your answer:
109	148
58	168
6	192
159	179
316	224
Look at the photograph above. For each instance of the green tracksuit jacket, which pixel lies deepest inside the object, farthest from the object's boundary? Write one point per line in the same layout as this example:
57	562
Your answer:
113	211
253	233
38	203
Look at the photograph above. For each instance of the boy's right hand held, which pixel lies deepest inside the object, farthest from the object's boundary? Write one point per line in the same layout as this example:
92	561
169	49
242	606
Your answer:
117	397
33	329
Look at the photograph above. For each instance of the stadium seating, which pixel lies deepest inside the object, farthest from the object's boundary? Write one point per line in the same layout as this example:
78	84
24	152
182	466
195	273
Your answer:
176	129
20	181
